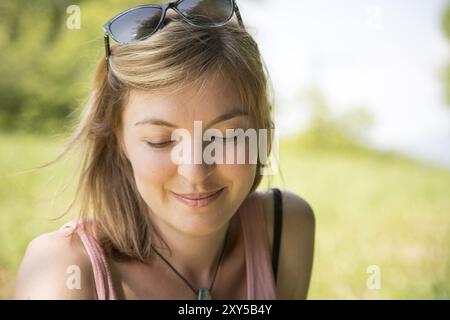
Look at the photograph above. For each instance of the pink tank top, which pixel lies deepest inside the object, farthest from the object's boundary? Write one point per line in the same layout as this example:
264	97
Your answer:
260	277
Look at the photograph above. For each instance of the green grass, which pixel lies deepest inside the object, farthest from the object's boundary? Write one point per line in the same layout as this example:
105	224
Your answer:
371	209
26	205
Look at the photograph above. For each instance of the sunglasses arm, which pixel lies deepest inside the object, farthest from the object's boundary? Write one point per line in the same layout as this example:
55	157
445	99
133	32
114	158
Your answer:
238	15
107	48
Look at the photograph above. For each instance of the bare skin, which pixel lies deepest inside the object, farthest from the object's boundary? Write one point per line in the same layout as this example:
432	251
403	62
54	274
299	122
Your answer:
195	235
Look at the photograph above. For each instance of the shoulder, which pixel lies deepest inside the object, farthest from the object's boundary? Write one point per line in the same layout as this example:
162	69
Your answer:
294	206
296	245
55	266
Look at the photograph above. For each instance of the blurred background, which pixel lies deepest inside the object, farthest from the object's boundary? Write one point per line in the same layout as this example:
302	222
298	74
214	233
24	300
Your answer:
362	92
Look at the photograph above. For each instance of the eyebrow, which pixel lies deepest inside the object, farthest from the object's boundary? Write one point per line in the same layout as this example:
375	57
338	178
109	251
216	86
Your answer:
221	118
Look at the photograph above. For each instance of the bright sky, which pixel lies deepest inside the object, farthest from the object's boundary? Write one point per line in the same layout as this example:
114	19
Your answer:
384	55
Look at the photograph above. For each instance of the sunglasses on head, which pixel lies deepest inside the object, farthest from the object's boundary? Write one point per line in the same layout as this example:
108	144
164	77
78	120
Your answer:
139	23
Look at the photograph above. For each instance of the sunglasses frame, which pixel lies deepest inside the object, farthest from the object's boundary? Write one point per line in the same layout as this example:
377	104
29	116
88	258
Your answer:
163	7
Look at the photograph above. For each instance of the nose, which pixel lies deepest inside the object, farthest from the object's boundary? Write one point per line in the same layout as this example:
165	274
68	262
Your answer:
195	173
194	168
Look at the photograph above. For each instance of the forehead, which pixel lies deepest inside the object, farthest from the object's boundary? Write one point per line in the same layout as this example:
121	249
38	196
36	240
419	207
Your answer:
215	95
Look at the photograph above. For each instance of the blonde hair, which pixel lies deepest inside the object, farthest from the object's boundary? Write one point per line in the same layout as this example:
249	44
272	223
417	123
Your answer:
178	54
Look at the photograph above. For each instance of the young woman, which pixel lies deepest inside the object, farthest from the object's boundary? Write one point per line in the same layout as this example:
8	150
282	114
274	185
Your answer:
154	226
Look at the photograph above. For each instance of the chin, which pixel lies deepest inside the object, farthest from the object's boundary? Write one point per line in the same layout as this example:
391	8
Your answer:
201	224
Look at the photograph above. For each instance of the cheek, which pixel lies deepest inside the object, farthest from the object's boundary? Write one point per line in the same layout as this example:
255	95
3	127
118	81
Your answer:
152	168
242	175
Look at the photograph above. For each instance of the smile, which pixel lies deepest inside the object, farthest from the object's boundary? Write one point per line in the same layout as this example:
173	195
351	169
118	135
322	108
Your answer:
198	200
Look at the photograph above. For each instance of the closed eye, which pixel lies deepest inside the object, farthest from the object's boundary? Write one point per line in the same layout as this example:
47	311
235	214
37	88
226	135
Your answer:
160	145
227	139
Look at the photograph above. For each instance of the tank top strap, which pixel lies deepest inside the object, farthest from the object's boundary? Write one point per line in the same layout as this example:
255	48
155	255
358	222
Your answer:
102	275
260	277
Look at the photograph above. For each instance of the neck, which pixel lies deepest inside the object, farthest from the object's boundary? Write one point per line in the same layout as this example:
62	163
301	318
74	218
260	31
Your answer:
196	258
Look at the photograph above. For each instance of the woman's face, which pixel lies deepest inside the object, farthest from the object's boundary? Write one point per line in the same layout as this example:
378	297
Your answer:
149	120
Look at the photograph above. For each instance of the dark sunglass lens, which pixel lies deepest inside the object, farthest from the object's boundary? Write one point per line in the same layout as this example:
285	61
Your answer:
206	12
136	24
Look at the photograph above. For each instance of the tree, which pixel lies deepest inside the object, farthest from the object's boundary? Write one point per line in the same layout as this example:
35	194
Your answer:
46	67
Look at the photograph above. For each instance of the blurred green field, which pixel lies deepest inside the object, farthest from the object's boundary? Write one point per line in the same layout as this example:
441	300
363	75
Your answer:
371	209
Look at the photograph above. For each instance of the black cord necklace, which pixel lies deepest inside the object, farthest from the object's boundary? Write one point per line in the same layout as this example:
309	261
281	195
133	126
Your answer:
201	293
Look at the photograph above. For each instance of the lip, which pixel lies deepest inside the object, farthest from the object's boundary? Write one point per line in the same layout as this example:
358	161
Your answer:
198	199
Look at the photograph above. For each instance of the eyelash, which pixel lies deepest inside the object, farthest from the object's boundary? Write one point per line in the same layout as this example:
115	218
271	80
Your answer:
228	139
164	144
159	145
